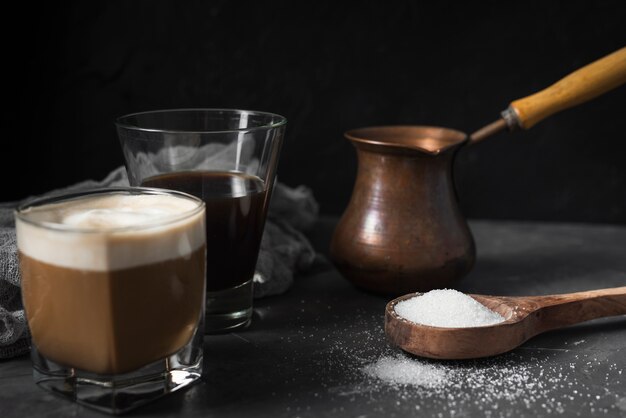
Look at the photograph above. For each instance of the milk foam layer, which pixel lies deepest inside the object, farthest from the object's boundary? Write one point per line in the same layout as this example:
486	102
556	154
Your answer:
111	231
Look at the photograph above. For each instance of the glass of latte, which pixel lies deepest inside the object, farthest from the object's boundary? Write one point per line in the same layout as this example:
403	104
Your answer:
113	284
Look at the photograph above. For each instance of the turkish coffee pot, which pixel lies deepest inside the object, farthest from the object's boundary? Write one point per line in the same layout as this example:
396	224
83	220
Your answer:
402	230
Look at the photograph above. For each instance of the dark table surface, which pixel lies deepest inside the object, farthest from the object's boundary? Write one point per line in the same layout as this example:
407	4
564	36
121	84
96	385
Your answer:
304	354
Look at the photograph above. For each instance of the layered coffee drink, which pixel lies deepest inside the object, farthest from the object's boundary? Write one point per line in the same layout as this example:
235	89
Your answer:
113	281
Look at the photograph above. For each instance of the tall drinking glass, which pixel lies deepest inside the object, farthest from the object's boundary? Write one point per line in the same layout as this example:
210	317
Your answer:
228	158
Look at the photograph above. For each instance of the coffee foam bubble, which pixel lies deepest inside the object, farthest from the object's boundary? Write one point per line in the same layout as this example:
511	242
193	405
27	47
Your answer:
112	231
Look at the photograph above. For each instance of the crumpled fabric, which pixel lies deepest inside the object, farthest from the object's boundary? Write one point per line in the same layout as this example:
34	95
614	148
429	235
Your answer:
285	251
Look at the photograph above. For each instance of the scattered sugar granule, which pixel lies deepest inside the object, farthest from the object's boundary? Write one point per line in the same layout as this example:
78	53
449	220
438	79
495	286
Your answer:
402	370
447	308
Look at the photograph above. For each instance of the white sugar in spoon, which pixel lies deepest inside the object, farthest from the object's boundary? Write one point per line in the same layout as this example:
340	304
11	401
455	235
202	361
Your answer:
525	317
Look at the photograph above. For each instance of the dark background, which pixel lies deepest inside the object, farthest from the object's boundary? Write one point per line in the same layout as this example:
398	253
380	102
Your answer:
72	67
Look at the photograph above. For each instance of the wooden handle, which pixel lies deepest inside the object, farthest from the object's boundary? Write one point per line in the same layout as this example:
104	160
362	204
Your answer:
580	86
562	310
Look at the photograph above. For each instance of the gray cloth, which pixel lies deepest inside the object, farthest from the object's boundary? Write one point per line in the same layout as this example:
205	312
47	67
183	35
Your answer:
284	252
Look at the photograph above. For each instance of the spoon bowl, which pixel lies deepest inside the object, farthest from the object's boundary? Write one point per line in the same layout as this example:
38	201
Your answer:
525	317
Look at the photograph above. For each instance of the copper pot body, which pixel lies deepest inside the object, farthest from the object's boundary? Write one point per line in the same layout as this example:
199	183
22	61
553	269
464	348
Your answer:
402	230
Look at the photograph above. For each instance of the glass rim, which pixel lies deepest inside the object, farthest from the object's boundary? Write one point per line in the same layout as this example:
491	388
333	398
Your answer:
20	211
121	121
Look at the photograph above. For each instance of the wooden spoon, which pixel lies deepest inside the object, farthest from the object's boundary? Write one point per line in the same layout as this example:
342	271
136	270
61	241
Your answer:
525	317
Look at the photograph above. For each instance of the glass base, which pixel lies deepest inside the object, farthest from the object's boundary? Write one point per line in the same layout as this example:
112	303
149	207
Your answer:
229	309
117	394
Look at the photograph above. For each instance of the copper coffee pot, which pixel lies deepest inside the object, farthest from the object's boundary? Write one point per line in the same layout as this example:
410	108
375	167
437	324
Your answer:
403	230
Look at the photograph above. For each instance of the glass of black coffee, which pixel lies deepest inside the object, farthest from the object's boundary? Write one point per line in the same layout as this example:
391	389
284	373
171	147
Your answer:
228	158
